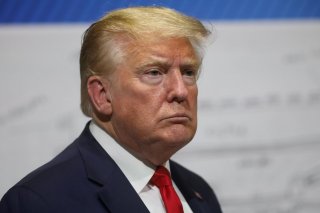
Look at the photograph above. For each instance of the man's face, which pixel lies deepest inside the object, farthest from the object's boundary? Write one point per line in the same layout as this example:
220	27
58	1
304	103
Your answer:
154	98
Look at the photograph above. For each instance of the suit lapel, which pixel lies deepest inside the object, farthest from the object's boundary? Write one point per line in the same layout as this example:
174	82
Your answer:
193	197
119	196
115	191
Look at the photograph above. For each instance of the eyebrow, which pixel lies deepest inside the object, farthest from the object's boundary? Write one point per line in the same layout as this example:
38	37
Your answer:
154	60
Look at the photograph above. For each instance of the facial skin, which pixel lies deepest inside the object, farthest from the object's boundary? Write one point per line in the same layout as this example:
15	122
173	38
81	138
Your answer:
151	99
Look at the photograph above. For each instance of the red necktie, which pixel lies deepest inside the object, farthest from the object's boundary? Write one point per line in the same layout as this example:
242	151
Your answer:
162	180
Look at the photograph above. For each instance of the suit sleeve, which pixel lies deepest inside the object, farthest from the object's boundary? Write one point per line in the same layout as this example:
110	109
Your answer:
20	199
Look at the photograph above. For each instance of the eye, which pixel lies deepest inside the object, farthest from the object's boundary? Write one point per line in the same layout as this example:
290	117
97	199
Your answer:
152	76
154	72
189	73
190	76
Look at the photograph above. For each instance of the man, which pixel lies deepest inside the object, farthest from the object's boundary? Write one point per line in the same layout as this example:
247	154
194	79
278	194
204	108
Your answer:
139	68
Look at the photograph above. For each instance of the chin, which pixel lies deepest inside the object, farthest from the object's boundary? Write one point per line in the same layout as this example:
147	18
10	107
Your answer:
179	138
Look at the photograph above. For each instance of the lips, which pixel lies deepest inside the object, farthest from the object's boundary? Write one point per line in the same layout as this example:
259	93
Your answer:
178	118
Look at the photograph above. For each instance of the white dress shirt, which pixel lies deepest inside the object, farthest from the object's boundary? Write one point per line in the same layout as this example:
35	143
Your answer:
136	172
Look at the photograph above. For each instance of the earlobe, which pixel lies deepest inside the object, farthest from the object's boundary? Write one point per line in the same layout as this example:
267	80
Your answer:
98	90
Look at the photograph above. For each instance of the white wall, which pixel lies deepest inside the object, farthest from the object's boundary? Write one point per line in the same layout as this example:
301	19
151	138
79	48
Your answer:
258	141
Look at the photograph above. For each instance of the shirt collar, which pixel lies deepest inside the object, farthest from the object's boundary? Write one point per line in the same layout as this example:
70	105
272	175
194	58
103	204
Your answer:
134	169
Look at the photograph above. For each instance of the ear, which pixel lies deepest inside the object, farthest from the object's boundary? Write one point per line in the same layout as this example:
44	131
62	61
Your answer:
99	93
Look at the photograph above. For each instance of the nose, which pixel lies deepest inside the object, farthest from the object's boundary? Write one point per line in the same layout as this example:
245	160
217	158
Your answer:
177	88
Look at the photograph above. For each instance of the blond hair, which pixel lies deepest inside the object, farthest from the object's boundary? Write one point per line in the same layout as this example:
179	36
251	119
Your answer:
102	46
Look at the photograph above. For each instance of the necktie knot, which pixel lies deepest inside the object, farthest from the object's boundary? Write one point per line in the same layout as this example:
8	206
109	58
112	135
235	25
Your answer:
161	177
162	180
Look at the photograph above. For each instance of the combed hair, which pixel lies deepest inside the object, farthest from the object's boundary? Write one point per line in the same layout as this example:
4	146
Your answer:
102	44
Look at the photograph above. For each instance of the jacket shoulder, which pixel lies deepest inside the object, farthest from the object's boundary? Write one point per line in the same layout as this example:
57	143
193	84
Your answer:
188	176
57	184
19	198
195	189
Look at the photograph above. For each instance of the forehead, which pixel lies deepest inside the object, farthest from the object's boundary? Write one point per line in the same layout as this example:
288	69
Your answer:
164	50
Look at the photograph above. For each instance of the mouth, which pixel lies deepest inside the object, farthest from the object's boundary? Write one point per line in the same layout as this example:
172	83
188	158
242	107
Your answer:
178	118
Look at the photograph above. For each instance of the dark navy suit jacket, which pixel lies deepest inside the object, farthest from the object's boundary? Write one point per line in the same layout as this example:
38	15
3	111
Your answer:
84	179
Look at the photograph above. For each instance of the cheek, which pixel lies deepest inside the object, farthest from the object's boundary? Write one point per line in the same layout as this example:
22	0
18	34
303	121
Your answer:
138	105
146	100
193	97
